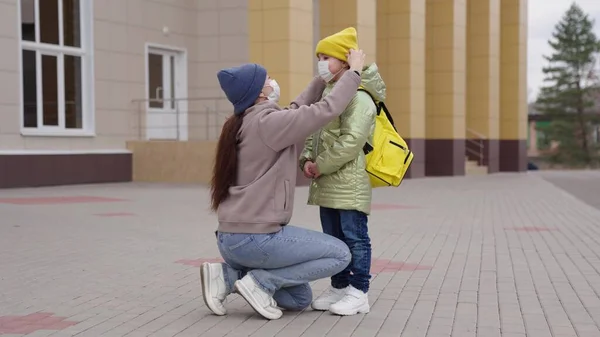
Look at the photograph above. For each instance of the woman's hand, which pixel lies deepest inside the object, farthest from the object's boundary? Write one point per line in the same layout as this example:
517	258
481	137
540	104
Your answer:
356	60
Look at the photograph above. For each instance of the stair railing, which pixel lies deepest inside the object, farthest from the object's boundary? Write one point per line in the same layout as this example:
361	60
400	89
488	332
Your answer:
477	143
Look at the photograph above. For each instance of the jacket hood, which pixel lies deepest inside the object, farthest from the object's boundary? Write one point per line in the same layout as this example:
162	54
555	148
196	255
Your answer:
372	82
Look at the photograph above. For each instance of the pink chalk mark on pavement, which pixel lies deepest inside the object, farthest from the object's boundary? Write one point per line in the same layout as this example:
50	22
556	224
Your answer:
22	325
57	200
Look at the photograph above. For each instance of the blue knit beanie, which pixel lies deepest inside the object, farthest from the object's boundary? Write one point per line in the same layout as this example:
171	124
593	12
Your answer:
242	85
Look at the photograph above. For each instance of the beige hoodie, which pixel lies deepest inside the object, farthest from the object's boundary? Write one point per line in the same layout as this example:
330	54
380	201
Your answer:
263	198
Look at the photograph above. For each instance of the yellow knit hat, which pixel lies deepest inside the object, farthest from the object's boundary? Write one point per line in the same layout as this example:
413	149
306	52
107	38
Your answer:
338	44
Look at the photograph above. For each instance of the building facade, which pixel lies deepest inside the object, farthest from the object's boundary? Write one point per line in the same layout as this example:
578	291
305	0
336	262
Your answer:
99	91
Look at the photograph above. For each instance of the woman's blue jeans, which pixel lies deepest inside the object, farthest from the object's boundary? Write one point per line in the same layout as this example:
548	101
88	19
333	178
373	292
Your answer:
283	263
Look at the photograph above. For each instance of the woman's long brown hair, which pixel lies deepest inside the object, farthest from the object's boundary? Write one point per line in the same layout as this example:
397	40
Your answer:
226	161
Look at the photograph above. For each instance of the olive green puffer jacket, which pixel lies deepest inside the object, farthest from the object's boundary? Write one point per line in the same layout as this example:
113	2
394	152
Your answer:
338	150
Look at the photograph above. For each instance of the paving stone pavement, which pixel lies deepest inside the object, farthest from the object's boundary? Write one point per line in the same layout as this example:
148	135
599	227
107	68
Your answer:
584	185
507	255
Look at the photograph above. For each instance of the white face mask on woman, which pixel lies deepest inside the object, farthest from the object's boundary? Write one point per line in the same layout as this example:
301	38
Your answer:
275	93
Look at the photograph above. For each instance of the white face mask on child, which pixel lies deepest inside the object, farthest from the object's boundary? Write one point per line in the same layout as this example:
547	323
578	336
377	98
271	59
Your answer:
326	75
276	93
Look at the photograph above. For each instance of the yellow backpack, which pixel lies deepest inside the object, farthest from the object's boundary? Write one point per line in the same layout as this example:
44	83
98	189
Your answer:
388	158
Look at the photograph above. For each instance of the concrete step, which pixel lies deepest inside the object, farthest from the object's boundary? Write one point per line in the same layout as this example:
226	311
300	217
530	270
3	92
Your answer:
476	170
471	163
472	168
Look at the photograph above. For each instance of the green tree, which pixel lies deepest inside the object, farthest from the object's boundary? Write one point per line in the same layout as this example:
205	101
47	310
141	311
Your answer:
570	89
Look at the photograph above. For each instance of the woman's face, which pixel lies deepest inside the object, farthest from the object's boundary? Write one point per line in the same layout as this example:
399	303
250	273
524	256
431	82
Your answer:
270	91
267	89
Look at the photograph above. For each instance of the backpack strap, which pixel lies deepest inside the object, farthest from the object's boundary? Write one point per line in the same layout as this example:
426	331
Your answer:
368	147
381	106
387	114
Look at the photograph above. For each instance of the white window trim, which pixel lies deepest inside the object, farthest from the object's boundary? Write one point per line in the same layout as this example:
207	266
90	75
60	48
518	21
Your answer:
86	52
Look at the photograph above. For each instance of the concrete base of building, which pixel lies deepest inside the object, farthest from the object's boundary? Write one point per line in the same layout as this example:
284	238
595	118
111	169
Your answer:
417	168
52	168
444	157
513	155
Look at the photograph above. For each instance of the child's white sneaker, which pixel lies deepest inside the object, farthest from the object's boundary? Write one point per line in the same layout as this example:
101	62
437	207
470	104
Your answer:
329	297
354	302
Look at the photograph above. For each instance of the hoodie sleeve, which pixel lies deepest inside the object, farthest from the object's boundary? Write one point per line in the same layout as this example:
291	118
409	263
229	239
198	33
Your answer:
306	154
311	94
284	128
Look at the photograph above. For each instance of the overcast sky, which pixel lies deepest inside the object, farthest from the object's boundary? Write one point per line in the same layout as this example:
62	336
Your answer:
543	16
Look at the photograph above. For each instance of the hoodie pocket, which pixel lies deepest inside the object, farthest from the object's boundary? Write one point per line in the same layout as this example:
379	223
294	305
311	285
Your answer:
286	190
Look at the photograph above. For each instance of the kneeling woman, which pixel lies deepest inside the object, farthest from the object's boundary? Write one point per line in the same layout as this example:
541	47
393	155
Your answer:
268	262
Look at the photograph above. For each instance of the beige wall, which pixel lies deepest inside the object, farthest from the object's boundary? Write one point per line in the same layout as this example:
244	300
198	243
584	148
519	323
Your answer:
483	69
214	34
281	39
175	162
9	75
401	61
445	69
513	70
336	15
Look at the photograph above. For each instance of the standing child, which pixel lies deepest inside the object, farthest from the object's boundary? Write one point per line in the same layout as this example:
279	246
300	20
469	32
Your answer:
334	158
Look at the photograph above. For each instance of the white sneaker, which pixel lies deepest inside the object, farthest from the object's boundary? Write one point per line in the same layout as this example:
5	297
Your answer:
214	290
329	297
261	302
355	302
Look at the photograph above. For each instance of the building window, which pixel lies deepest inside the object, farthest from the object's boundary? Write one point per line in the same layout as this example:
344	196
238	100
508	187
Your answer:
57	67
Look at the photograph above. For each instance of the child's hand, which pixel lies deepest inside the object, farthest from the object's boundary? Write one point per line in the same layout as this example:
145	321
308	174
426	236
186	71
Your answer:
306	170
312	169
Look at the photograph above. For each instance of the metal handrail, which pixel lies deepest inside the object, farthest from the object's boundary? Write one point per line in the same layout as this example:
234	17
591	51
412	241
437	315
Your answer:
477	134
141	100
479	143
142	109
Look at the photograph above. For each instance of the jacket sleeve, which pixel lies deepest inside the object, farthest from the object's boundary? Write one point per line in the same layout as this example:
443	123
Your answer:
283	128
306	152
312	94
355	130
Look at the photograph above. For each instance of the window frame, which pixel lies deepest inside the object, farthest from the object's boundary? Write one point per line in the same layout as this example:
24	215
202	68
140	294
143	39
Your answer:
168	75
85	52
